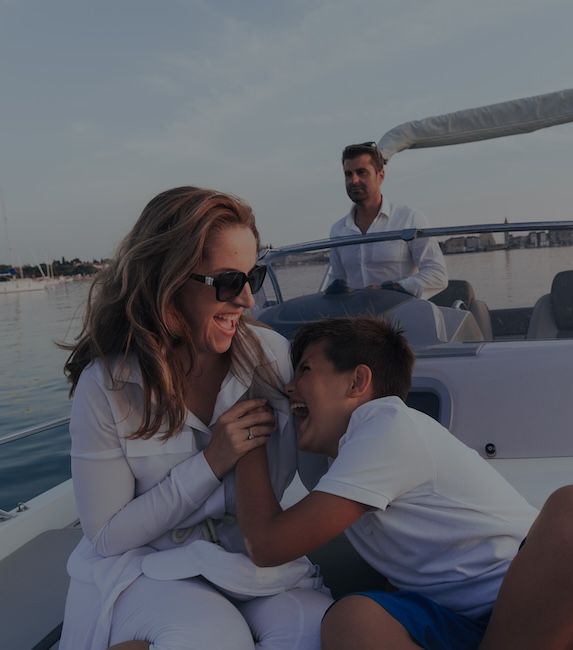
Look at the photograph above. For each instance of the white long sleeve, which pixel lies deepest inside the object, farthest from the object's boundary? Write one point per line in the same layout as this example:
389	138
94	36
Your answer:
113	516
116	521
135	492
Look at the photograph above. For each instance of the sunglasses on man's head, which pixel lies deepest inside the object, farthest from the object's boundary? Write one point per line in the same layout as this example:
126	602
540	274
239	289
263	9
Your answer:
367	145
229	285
363	147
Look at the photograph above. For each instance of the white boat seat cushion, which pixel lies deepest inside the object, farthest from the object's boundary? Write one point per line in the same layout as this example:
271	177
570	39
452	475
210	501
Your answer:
461	290
552	316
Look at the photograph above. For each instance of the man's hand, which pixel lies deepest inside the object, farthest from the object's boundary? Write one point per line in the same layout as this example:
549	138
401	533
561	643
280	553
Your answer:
337	286
395	286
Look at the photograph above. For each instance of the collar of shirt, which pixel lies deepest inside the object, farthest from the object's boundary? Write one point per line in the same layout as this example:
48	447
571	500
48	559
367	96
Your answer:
380	220
232	389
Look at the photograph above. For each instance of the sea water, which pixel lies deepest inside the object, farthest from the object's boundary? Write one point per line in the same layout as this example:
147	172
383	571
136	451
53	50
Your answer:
32	386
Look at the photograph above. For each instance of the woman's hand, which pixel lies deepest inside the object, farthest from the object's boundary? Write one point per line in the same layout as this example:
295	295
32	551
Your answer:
243	427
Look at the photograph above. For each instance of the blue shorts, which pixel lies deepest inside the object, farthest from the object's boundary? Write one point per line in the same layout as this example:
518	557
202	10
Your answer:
432	626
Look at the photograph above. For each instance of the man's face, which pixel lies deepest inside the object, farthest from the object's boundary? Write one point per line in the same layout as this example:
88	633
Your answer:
361	179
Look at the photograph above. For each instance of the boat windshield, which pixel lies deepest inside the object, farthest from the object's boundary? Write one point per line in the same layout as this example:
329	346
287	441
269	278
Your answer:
499	276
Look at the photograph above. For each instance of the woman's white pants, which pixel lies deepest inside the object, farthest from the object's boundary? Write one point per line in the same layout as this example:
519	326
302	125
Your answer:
191	615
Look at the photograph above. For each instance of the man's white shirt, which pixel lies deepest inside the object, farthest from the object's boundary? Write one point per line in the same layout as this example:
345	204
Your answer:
418	265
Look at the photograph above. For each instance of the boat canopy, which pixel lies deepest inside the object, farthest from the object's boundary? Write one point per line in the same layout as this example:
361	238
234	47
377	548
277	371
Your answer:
483	123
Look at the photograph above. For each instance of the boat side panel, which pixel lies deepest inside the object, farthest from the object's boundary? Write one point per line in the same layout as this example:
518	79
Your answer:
515	395
55	508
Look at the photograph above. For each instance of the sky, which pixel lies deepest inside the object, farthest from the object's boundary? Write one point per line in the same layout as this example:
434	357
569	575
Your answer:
104	104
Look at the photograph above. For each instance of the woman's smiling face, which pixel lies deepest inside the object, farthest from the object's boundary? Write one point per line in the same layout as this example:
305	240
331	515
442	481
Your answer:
213	323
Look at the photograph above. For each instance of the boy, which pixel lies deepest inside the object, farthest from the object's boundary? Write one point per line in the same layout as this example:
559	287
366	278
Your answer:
422	508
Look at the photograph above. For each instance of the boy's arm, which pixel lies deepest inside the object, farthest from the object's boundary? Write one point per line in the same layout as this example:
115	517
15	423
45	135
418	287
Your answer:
274	536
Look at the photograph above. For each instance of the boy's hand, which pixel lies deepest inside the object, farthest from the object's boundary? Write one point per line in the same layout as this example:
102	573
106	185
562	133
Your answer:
245	426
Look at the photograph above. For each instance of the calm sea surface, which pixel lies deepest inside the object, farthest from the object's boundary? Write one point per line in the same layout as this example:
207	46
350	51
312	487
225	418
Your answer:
33	389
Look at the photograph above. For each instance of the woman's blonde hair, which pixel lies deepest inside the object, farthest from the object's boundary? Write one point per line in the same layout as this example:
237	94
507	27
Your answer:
132	304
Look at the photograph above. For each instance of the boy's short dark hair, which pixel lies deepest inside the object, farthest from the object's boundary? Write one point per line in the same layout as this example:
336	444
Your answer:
370	148
350	341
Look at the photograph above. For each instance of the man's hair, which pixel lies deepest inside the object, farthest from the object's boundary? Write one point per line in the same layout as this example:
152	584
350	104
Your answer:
350	341
369	148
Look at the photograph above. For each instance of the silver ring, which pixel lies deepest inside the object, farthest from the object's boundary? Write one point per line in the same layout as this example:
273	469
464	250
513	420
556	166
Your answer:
251	435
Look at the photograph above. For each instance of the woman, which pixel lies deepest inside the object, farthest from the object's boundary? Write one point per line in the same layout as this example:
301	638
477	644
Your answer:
161	376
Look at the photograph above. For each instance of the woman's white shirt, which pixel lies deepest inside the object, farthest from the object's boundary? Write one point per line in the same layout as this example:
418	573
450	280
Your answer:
133	493
142	501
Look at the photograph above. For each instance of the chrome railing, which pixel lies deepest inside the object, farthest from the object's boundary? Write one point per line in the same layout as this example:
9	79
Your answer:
407	234
17	435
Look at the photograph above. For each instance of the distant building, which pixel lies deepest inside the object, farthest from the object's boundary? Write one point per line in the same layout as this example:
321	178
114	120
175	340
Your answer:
517	241
472	244
487	242
539	239
454	245
561	237
532	240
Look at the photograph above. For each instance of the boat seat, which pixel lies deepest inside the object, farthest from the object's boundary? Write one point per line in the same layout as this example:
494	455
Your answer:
460	294
344	571
33	587
552	316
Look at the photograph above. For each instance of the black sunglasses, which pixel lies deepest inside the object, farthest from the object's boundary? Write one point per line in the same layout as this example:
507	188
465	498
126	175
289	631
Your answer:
229	285
362	145
371	147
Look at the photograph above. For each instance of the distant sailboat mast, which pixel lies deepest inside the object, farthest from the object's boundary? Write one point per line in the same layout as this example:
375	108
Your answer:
11	252
6	231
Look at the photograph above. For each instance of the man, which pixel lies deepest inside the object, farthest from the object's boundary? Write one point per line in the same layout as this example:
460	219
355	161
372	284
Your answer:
416	267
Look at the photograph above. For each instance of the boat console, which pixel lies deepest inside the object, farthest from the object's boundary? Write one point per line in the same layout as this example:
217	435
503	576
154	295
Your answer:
423	322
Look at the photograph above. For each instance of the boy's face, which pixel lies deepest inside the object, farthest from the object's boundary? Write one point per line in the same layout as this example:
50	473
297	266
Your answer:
319	398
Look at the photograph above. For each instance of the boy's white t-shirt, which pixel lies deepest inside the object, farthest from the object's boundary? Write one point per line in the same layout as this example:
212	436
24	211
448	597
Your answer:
446	525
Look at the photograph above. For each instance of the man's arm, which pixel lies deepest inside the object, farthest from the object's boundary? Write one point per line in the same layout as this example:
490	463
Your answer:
274	536
432	275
